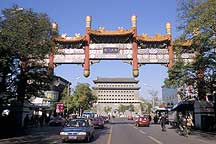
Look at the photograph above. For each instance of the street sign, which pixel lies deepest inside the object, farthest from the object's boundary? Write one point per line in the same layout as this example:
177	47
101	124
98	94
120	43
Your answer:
59	108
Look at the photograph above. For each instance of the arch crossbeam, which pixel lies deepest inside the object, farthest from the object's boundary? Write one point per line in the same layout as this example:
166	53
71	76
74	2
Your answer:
121	44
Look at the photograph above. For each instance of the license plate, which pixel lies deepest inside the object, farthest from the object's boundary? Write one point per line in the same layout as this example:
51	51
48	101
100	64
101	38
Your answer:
72	137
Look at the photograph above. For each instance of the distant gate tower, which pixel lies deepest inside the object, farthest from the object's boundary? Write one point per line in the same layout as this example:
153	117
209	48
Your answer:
114	92
120	44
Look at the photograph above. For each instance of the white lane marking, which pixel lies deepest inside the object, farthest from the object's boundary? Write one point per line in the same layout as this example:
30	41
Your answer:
142	132
138	129
155	140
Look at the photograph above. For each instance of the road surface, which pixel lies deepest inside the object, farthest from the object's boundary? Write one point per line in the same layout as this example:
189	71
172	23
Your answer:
118	131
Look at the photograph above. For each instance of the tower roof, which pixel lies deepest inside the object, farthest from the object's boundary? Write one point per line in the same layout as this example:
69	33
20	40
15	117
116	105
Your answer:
115	80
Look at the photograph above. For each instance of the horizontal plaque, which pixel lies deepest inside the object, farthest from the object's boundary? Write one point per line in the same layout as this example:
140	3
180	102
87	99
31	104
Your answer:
112	45
110	50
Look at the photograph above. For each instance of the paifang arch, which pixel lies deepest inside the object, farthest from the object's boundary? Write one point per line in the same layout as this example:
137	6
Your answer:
121	44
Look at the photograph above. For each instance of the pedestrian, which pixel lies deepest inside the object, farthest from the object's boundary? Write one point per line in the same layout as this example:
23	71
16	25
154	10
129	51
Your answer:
150	118
41	120
47	119
163	122
155	119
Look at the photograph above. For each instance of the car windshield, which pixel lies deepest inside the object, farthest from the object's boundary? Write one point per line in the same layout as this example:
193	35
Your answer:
78	123
143	118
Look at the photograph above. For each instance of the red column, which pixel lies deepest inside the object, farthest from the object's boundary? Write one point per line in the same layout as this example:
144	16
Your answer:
87	36
170	47
51	62
171	54
51	55
134	47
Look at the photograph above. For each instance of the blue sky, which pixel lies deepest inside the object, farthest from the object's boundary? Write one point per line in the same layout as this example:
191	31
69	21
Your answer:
152	16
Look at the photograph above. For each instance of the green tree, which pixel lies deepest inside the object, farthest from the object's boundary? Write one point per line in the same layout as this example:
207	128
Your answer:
68	101
107	109
122	108
83	97
198	24
131	108
25	40
145	105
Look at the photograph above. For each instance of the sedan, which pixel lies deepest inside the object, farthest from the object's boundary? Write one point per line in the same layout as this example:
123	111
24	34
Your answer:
77	130
142	121
98	122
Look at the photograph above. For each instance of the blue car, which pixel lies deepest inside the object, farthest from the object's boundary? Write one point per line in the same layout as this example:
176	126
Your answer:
78	130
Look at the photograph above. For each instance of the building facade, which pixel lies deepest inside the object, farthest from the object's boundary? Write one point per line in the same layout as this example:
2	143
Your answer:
170	97
113	92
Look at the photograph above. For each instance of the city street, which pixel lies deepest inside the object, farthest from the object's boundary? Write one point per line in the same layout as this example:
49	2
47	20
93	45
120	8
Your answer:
119	131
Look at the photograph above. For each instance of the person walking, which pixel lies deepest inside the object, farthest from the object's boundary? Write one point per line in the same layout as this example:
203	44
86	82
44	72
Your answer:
41	119
163	122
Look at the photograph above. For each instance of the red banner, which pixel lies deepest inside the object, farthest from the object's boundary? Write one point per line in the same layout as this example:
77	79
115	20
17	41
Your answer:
59	107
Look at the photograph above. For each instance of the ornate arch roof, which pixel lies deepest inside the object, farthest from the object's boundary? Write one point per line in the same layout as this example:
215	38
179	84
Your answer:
64	38
156	38
119	32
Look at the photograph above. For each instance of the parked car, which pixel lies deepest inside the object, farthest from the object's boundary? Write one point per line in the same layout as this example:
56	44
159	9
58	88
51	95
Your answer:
79	129
142	121
57	121
98	122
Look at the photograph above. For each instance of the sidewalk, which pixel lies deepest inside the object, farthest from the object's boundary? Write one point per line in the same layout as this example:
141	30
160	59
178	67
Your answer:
40	130
202	136
33	131
204	133
34	135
